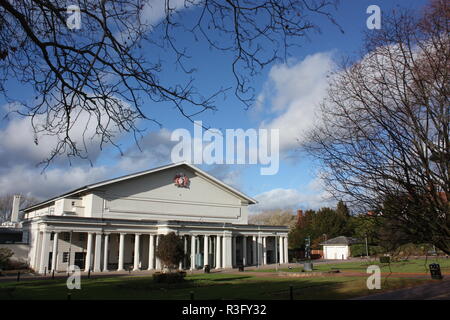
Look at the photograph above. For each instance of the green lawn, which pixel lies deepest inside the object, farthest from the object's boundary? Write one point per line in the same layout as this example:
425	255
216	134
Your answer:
212	286
410	266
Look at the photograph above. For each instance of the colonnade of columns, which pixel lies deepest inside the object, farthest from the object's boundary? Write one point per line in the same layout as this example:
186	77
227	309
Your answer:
219	250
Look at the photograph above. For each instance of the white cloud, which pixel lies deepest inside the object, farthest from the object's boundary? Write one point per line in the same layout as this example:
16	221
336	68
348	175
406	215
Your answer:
30	181
155	149
312	197
292	95
20	143
229	174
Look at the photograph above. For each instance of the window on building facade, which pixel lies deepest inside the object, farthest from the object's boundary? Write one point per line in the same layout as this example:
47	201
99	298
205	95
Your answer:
65	257
81	237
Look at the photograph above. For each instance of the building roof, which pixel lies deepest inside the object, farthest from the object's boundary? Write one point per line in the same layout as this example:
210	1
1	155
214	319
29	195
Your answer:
341	240
93	186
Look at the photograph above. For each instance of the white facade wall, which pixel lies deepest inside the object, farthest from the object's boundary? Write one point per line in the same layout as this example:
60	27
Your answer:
339	252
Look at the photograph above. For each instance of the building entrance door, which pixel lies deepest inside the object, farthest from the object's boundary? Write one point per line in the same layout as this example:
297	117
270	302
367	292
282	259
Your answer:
80	259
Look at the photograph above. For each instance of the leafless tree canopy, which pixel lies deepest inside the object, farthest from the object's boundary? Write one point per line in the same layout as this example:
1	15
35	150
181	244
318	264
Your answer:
383	138
103	73
273	218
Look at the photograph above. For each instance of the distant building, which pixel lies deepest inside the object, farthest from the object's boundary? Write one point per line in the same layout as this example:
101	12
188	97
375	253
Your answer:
338	248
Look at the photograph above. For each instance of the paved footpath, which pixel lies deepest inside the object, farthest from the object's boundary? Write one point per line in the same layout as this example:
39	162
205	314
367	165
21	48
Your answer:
438	290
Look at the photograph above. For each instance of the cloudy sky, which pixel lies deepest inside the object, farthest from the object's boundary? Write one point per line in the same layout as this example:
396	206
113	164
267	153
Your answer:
287	98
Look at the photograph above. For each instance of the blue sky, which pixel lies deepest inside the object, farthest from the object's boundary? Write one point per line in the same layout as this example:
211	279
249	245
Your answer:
288	95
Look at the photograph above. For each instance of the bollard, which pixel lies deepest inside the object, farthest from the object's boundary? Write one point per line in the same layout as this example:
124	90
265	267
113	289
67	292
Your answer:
89	273
18	276
45	271
69	296
53	274
192	295
291	293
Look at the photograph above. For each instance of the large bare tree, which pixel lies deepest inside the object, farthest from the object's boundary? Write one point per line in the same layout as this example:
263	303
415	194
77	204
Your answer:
383	134
108	73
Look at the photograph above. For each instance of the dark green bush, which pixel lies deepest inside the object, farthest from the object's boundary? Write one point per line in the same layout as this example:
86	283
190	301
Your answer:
358	250
170	277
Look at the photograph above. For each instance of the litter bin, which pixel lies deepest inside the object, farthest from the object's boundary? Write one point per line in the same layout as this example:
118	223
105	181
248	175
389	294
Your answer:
308	266
207	268
241	267
435	270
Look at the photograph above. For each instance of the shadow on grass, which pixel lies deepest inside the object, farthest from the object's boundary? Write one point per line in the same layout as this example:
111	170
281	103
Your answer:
204	287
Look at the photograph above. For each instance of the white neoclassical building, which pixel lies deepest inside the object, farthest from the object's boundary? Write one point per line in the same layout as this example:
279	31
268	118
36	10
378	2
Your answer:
114	224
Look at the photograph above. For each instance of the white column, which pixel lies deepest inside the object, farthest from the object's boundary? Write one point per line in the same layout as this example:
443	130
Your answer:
210	250
233	249
136	252
89	252
280	241
121	249
205	250
192	252
276	248
259	246
180	264
105	253
286	256
218	253
244	250
151	252
185	252
264	249
44	251
254	250
55	250
158	262
227	255
98	252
